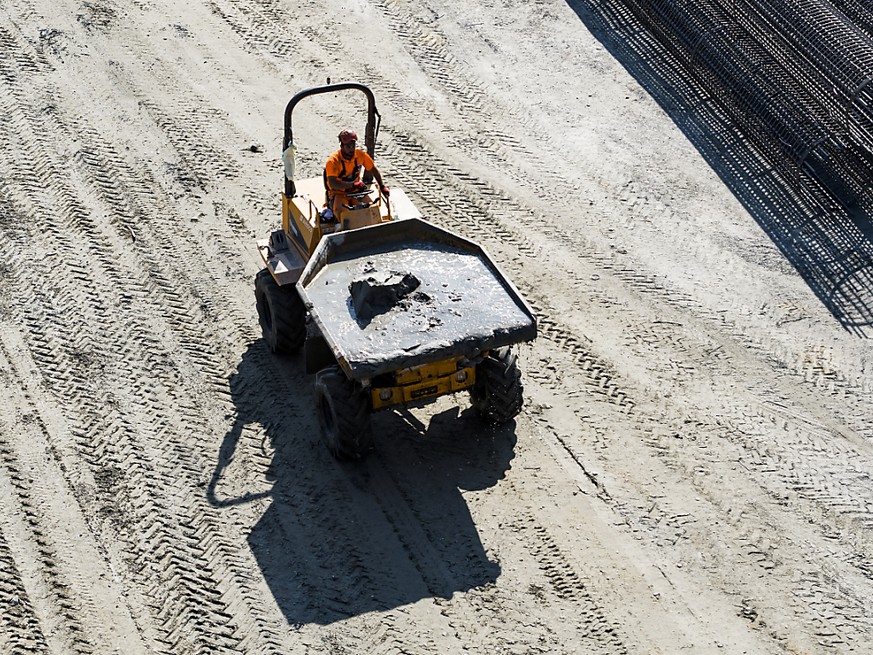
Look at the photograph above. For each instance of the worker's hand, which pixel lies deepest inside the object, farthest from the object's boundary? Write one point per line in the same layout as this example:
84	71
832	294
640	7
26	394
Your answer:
357	185
385	190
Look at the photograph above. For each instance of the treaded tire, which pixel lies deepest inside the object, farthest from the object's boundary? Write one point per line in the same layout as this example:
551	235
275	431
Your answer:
281	313
497	394
343	414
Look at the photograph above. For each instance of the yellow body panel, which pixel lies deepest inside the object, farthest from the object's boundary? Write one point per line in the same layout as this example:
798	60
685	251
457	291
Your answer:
426	372
422	382
351	219
303	211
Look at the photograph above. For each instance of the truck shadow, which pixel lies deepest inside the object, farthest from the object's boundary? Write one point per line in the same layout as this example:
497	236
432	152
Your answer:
343	539
828	241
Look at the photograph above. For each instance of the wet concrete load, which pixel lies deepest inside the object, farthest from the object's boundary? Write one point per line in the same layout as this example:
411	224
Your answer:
380	292
407	293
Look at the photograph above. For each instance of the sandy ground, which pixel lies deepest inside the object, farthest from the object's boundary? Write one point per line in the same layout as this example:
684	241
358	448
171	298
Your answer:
692	469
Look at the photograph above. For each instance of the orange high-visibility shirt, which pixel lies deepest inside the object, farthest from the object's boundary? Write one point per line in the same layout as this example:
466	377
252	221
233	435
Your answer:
348	170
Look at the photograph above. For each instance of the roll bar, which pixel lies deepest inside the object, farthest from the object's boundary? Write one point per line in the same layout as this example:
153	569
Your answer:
373	119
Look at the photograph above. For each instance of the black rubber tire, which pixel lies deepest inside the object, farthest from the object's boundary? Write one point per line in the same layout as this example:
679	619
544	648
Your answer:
343	414
281	313
498	394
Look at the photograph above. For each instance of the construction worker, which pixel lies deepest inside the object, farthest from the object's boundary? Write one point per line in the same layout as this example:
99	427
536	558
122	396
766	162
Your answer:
343	173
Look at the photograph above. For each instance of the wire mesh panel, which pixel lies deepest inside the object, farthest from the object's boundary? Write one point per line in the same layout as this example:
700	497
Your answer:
860	12
795	75
829	54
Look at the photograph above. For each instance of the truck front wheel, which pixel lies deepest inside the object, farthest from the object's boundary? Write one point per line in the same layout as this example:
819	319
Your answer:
497	394
281	313
343	414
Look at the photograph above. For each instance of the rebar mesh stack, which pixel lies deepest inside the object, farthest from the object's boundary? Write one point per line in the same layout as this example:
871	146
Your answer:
795	76
860	12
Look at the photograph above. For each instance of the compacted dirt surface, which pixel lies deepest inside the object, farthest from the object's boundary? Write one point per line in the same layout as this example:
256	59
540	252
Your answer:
693	468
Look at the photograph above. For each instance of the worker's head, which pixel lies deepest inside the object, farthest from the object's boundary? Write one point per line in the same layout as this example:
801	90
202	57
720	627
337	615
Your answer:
347	136
347	140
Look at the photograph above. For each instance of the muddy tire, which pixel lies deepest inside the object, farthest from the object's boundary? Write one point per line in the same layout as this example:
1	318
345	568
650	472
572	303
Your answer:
497	394
281	313
343	414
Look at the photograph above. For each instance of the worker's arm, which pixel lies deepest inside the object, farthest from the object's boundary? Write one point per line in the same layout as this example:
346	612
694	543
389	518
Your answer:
377	175
336	184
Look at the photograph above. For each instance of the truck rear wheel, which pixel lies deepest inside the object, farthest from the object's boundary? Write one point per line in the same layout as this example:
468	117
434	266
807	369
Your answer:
497	394
281	313
343	414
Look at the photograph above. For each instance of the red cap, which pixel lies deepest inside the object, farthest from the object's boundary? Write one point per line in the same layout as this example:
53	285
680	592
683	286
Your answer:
347	136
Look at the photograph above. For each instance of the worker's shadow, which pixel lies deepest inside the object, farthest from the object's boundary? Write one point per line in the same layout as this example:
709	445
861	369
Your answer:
342	539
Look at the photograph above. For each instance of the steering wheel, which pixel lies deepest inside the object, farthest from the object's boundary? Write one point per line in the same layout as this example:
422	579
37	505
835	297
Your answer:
360	194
